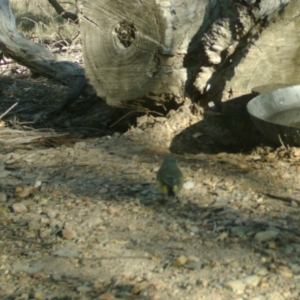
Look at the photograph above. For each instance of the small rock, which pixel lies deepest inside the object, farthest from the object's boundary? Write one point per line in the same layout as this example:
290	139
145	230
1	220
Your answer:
258	298
50	213
19	208
294	204
38	295
4	173
197	134
296	151
130	171
193	265
3	197
267	235
23	192
261	271
91	222
112	210
242	219
180	261
194	229
26	267
139	287
222	236
56	277
37	184
83	289
39	275
44	220
103	190
296	268
68	234
80	145
20	266
240	231
65	252
188	185
272	245
252	281
236	286
106	296
203	282
43	201
285	272
33	225
27	202
155	169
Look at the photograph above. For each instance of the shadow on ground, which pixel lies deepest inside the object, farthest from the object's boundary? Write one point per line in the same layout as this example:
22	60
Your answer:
230	130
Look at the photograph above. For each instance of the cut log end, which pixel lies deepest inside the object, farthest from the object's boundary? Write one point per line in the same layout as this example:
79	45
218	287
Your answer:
121	42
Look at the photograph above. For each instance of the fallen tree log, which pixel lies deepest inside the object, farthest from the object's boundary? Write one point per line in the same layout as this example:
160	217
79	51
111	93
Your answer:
155	52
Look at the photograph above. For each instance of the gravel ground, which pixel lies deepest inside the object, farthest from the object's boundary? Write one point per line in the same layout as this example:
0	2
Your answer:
82	219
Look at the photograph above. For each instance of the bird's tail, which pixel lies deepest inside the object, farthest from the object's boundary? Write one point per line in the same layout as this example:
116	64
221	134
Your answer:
171	192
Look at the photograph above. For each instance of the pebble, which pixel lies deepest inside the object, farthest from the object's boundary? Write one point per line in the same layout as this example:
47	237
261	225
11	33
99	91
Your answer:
19	208
180	261
294	204
139	287
33	225
194	229
295	268
38	295
252	280
202	282
83	289
285	272
68	234
258	298
43	201
3	197
39	275
197	134
188	185
236	286
33	268
80	145
37	184
261	271
91	222
193	265
106	296
23	192
267	235
65	252
51	214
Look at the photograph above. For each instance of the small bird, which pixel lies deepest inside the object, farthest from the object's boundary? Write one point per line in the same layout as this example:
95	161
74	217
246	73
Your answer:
169	178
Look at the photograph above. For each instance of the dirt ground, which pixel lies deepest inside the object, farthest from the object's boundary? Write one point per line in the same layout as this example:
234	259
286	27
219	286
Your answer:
81	216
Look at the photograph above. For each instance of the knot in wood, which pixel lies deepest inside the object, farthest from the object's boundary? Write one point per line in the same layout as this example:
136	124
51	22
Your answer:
125	33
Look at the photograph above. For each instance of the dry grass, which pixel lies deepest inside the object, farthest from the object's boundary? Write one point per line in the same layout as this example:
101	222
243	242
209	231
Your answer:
38	21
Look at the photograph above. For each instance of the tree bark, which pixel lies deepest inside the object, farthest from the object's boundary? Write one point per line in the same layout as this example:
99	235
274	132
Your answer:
156	52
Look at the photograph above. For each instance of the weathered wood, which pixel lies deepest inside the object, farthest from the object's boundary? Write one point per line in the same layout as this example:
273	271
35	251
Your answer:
149	69
154	52
269	53
36	56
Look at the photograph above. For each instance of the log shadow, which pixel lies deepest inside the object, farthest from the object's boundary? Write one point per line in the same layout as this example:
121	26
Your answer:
231	130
